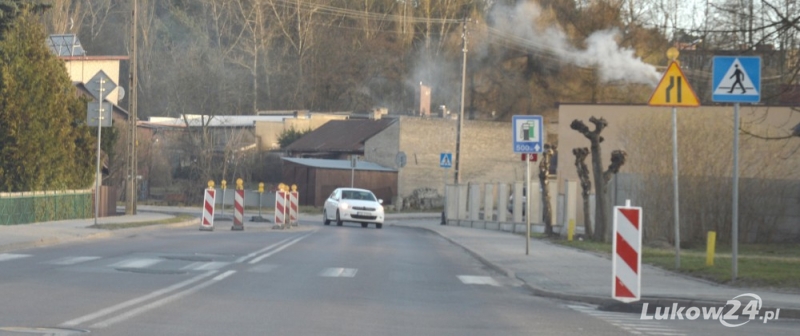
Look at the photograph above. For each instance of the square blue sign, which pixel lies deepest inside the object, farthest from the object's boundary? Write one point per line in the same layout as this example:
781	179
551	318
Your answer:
736	79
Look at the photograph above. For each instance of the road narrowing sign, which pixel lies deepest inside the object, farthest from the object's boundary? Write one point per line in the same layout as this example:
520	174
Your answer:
674	90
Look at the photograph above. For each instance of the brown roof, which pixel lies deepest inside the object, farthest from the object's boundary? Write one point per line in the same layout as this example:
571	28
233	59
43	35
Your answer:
340	136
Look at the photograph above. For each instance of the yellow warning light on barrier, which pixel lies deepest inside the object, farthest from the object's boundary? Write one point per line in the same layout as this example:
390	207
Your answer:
224	184
294	187
239	184
210	184
261	188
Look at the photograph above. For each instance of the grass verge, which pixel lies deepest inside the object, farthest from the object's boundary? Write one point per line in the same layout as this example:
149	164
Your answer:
118	226
759	265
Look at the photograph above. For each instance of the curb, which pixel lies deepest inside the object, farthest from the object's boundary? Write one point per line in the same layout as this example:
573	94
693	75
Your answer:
603	303
51	241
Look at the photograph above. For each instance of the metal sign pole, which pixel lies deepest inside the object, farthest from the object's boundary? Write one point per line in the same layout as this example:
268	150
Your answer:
675	182
99	176
735	226
527	203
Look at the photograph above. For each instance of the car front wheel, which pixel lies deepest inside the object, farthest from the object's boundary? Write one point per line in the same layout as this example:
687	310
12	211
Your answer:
338	219
379	225
325	219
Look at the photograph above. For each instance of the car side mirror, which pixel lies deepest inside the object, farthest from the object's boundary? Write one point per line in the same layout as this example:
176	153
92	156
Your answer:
380	201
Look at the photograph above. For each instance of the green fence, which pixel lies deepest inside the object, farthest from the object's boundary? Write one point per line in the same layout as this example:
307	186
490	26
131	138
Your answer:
24	208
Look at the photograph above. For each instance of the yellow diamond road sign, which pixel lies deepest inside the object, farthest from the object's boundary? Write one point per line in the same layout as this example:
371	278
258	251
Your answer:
674	90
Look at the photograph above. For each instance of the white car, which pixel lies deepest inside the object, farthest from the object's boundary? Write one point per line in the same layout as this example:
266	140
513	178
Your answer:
353	205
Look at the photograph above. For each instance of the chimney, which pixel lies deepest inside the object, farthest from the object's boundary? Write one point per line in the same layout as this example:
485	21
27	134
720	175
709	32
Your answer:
424	100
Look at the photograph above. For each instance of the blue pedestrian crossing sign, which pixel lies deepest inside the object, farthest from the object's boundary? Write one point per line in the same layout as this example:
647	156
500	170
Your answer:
736	79
446	160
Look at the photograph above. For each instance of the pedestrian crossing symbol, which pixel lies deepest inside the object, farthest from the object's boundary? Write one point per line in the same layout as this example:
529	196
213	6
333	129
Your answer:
446	160
736	79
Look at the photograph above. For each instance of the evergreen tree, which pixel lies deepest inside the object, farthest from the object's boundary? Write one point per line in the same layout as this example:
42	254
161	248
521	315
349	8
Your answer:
44	141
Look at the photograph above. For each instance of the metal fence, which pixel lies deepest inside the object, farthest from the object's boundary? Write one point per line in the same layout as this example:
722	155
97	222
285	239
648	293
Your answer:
33	207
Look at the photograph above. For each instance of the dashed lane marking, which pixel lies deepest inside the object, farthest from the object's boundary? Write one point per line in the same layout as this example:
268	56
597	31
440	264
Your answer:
11	256
338	272
478	280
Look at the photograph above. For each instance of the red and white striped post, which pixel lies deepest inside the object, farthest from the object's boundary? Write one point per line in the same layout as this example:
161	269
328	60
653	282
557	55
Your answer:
280	208
238	206
626	264
293	199
207	222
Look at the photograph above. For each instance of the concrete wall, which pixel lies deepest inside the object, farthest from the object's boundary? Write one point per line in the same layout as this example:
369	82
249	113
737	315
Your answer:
486	152
765	157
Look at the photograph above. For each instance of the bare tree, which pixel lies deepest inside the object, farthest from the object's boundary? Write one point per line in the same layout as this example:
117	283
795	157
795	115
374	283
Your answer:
586	186
601	178
544	181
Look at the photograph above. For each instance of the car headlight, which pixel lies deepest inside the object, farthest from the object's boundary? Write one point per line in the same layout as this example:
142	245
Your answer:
344	206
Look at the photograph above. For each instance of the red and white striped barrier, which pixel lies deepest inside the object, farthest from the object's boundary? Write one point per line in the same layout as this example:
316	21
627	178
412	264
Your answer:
207	222
293	199
280	208
626	264
238	210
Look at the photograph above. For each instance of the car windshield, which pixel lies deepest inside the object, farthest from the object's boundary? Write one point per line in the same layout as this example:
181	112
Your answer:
358	195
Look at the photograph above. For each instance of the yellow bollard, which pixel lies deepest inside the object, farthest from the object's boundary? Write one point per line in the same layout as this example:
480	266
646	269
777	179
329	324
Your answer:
570	229
710	247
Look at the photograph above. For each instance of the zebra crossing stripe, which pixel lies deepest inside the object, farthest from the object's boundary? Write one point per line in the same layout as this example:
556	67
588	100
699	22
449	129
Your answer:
12	256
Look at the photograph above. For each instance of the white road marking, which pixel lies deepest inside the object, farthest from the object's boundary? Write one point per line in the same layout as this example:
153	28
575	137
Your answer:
160	302
628	322
478	280
136	301
244	258
209	266
262	268
338	272
267	255
11	256
136	263
71	260
191	266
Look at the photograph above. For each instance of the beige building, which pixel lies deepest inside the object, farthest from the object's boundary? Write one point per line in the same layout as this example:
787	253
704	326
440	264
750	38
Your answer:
268	132
486	152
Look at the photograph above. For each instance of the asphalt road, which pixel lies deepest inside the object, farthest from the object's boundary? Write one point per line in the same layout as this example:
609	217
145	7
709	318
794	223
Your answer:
307	281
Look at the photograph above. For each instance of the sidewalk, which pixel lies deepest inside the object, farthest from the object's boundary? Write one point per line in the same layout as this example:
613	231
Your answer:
565	273
550	270
17	237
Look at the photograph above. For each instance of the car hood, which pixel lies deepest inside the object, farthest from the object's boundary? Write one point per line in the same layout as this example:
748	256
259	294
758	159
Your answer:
362	203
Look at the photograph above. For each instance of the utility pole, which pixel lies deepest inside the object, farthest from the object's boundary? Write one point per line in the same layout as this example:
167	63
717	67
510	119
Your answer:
130	206
461	113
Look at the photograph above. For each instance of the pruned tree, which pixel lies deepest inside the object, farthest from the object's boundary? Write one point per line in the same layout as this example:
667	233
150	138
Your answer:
601	178
586	186
544	181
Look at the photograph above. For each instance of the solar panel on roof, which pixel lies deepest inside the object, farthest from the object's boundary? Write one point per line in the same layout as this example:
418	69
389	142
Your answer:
65	45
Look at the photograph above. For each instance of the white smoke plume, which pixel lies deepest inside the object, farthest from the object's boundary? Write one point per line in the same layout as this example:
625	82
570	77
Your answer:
613	62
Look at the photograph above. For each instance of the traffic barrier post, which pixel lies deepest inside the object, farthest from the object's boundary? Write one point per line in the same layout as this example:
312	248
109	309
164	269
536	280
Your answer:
207	222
